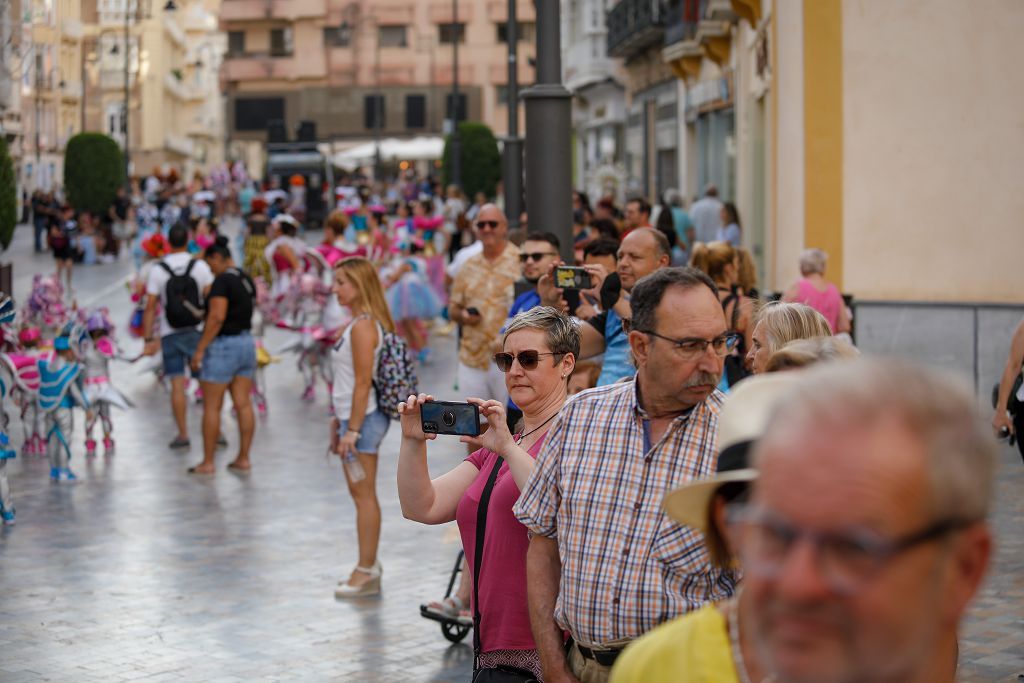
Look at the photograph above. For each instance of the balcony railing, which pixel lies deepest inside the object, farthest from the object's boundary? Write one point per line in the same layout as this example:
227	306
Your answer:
682	17
634	26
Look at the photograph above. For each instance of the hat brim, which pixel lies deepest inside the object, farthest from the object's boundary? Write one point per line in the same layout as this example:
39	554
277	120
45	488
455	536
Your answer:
689	504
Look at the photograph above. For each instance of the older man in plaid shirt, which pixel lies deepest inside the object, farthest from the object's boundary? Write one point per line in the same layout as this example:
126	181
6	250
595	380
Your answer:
605	563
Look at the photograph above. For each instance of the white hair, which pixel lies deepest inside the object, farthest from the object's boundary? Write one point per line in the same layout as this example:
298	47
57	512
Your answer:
813	261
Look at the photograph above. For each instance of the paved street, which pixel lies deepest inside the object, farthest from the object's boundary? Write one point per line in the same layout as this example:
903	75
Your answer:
140	571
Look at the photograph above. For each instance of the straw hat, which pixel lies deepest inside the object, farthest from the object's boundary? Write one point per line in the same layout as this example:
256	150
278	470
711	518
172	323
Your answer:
744	418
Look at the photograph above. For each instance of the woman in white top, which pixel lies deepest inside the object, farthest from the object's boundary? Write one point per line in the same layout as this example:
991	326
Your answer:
357	427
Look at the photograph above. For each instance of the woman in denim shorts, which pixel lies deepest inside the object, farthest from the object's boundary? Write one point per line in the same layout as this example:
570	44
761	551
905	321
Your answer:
226	355
358	427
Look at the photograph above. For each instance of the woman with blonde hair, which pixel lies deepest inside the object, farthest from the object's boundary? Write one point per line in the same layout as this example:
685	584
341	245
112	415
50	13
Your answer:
777	324
721	263
812	289
801	353
357	427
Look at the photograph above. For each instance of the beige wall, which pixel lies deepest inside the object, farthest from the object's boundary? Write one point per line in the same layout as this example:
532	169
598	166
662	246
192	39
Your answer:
933	143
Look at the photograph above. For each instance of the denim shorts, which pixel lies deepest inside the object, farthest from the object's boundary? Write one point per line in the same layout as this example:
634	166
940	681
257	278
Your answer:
227	357
374	427
177	349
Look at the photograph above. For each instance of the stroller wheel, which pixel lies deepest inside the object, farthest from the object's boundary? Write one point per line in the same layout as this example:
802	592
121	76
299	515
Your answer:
454	632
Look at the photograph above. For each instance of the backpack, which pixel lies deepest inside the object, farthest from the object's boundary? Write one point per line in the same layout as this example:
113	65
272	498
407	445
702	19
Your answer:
182	293
396	375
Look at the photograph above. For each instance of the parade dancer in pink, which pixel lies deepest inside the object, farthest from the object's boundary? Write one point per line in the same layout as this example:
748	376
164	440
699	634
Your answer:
98	349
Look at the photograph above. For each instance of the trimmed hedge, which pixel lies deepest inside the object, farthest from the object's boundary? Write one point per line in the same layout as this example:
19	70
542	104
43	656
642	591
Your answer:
481	161
93	170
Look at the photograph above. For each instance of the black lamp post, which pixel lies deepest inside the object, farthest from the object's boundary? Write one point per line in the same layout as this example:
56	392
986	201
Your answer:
456	142
513	159
345	31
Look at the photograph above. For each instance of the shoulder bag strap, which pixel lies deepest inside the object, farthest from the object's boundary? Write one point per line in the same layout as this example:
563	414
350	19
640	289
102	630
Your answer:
478	555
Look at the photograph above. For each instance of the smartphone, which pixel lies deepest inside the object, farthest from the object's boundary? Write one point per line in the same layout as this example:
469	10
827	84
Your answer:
473	310
572	277
450	417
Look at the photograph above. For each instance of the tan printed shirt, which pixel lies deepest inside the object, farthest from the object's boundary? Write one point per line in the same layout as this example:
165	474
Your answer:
487	286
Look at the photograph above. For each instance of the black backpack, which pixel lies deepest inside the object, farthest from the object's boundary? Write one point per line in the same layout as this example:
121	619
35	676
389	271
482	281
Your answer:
183	308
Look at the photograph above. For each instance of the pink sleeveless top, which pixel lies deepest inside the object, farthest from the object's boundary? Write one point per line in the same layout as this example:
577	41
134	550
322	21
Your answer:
829	303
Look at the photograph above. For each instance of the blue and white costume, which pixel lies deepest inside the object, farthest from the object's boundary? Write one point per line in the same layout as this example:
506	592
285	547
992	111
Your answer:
7	313
59	392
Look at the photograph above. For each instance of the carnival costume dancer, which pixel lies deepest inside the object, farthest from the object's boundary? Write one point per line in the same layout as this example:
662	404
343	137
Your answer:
316	339
25	366
413	302
59	392
285	252
7	374
98	349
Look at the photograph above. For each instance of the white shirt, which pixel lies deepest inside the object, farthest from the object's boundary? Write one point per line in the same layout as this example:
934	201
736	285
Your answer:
706	214
156	284
345	375
462	256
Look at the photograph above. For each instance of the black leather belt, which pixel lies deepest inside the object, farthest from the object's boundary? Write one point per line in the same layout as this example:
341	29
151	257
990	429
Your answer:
602	657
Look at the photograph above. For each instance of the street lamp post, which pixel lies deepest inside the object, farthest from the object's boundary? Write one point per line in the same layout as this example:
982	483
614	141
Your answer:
456	143
378	99
548	127
42	78
513	166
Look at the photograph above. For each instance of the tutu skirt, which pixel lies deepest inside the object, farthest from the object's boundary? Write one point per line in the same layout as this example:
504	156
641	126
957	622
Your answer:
413	299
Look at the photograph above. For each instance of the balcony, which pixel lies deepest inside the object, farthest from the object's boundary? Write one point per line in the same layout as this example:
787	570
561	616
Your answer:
264	67
72	29
180	145
635	26
682	18
262	10
111	79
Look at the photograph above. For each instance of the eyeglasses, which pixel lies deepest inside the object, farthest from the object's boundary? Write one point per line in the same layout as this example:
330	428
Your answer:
694	347
527	359
480	225
846	561
535	256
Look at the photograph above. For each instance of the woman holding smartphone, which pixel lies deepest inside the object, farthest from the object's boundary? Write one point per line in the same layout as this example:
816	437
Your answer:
539	350
357	427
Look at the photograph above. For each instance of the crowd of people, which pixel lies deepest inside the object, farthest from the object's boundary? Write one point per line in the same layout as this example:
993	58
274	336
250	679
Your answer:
676	473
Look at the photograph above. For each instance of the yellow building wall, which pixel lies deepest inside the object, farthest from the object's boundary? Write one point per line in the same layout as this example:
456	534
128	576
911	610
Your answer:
933	142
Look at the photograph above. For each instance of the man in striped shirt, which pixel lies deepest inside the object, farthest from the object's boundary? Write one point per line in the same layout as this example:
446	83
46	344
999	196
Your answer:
605	563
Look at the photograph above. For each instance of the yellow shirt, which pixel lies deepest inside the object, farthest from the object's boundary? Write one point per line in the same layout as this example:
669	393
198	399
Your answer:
489	287
691	649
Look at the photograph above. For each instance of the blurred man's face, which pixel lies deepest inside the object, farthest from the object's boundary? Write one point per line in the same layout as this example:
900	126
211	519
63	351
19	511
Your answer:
608	261
821	606
638	256
634	218
533	267
491	227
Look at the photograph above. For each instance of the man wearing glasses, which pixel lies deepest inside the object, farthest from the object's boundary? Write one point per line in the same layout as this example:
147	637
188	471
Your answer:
866	534
480	299
605	562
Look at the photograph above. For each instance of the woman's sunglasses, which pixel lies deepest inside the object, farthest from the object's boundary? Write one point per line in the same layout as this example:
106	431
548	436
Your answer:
527	359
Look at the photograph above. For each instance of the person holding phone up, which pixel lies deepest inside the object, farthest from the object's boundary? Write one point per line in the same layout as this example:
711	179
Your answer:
539	351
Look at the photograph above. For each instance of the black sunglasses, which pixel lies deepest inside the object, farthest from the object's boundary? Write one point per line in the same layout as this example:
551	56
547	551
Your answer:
535	256
486	224
527	359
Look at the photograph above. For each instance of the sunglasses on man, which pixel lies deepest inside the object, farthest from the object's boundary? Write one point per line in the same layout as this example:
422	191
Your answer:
535	256
480	225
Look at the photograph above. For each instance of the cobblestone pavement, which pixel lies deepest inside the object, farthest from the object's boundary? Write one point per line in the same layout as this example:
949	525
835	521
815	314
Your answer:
140	571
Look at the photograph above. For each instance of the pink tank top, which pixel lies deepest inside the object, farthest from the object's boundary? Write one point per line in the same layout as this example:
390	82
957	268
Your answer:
828	303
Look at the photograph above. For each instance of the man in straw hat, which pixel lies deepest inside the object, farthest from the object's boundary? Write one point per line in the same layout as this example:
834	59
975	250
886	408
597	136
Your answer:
865	536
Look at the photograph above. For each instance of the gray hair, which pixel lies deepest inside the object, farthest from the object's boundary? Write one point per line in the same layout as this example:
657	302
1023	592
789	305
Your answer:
941	412
650	290
562	334
783	322
813	261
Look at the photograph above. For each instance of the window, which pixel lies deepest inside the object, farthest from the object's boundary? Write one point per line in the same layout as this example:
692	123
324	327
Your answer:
526	31
415	111
236	43
336	37
372	104
256	113
281	42
392	36
449	33
501	93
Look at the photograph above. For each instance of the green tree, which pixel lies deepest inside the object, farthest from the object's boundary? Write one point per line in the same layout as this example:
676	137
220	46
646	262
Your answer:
8	196
481	161
93	170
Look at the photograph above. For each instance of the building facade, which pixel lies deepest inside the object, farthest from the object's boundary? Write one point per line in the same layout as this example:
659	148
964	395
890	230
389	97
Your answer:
340	63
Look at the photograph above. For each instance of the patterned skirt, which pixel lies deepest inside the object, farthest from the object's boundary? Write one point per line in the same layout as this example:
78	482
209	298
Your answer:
527	660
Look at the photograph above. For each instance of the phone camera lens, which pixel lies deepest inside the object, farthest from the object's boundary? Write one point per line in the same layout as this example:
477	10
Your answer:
448	418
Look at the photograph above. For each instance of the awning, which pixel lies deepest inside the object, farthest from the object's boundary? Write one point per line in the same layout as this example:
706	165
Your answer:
422	148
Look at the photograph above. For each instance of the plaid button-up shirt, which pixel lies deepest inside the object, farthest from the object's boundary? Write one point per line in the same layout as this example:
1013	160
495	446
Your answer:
626	565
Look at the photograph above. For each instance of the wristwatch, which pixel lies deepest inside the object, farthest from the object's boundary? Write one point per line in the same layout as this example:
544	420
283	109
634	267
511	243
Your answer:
356	432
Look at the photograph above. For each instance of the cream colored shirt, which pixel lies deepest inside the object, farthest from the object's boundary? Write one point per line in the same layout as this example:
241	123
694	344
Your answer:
487	286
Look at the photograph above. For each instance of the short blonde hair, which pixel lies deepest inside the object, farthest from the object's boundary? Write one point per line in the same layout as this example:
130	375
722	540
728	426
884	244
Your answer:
560	332
783	322
803	352
940	411
813	261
